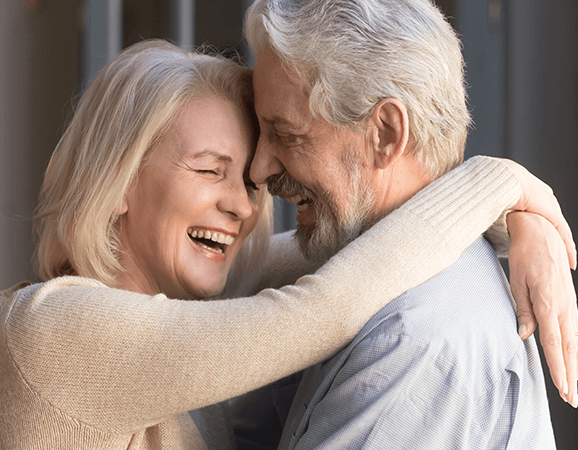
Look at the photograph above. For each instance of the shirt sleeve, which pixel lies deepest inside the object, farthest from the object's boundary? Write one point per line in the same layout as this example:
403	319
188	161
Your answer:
120	360
394	393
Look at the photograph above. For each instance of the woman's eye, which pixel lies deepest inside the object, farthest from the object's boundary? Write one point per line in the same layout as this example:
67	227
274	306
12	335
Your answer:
207	172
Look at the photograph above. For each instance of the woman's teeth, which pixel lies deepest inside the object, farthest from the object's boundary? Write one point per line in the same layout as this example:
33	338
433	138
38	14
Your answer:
220	238
212	249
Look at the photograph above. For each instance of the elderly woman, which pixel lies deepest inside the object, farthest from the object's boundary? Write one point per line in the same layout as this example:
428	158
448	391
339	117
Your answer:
147	199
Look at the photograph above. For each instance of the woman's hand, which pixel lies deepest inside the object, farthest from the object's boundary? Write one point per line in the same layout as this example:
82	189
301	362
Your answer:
537	197
542	285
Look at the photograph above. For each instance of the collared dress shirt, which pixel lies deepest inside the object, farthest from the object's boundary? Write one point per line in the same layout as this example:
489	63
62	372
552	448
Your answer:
440	367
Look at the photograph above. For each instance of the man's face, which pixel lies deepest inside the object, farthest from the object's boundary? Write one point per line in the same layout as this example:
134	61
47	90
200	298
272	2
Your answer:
308	161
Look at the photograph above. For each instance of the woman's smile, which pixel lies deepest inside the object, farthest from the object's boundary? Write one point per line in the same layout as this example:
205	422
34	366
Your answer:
192	194
212	243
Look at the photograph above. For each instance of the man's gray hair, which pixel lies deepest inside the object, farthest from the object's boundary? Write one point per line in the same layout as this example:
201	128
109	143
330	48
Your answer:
354	53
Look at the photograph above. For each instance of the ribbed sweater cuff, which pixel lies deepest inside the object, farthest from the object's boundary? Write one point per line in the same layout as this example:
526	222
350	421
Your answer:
486	187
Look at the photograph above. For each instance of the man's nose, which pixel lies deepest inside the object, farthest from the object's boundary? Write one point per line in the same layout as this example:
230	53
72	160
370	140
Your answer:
265	163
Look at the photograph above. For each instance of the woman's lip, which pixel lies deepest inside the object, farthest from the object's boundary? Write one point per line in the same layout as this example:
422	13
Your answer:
207	252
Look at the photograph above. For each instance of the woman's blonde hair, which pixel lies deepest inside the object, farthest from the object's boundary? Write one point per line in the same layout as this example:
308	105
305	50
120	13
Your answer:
126	109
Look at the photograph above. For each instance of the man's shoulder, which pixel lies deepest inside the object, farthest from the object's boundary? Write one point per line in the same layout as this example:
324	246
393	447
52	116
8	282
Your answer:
472	295
436	349
456	317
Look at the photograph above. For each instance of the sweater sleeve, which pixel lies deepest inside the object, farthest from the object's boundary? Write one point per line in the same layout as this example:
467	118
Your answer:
284	263
119	361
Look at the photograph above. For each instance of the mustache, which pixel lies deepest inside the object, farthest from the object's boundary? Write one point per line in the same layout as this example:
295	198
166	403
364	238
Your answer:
284	184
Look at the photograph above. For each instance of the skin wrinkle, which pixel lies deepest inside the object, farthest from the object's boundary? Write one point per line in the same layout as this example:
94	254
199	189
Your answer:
381	61
332	231
161	208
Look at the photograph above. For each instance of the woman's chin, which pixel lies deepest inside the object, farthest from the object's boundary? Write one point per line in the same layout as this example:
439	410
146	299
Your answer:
205	290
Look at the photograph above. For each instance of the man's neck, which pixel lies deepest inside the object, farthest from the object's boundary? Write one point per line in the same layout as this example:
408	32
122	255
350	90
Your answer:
396	184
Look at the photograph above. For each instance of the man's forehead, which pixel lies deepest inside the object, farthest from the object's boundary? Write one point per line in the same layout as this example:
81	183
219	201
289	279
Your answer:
280	94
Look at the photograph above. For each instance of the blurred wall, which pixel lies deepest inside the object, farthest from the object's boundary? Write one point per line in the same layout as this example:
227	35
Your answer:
541	108
522	71
38	78
542	95
522	58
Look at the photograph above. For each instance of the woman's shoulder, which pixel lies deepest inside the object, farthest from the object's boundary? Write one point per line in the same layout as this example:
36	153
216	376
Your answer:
31	312
26	299
27	289
54	283
6	298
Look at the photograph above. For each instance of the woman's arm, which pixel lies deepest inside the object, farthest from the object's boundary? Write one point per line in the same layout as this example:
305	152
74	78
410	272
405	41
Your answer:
539	256
539	274
283	265
119	360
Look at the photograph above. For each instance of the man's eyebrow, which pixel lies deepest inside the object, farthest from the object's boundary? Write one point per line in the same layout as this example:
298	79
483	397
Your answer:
277	120
215	154
299	127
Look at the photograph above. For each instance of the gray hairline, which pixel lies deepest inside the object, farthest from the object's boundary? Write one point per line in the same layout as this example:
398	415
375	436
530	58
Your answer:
259	26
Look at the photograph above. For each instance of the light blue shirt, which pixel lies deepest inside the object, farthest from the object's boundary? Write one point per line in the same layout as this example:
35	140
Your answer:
440	367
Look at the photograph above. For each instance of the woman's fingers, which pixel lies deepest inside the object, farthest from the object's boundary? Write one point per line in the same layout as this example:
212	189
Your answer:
526	319
537	197
542	285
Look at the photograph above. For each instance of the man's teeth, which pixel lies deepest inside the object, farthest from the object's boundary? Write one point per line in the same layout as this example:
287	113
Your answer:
213	236
302	207
302	203
296	199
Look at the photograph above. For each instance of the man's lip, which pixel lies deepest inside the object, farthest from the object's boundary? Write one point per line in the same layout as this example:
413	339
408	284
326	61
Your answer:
305	213
285	195
291	197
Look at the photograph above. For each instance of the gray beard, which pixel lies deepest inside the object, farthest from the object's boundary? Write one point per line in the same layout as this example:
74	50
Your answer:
331	231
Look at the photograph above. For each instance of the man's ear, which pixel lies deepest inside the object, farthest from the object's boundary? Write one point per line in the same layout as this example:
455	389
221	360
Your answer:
389	131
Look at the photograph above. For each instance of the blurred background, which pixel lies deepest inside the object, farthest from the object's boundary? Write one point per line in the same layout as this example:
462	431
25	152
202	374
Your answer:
522	71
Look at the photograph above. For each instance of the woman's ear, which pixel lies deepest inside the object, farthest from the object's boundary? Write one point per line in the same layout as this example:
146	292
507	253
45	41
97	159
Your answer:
389	131
123	208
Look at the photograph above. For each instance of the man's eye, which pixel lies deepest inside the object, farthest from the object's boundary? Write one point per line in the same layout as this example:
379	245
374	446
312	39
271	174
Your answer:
289	139
207	172
251	190
250	186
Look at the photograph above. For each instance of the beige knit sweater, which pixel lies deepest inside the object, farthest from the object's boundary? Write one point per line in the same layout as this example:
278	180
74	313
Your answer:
84	366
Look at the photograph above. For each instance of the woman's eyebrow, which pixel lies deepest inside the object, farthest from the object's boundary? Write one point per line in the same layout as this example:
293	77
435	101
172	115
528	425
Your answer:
215	154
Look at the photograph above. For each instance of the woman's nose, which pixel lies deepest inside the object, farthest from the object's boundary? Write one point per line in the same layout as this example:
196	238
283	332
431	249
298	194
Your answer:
265	162
239	202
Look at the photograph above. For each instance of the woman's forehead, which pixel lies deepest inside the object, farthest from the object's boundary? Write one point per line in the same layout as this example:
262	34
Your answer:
209	127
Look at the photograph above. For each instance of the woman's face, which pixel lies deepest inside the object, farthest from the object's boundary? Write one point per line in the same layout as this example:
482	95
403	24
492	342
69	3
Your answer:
192	206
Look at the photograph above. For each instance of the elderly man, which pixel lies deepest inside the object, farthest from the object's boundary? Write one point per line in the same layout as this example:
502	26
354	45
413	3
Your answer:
361	104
